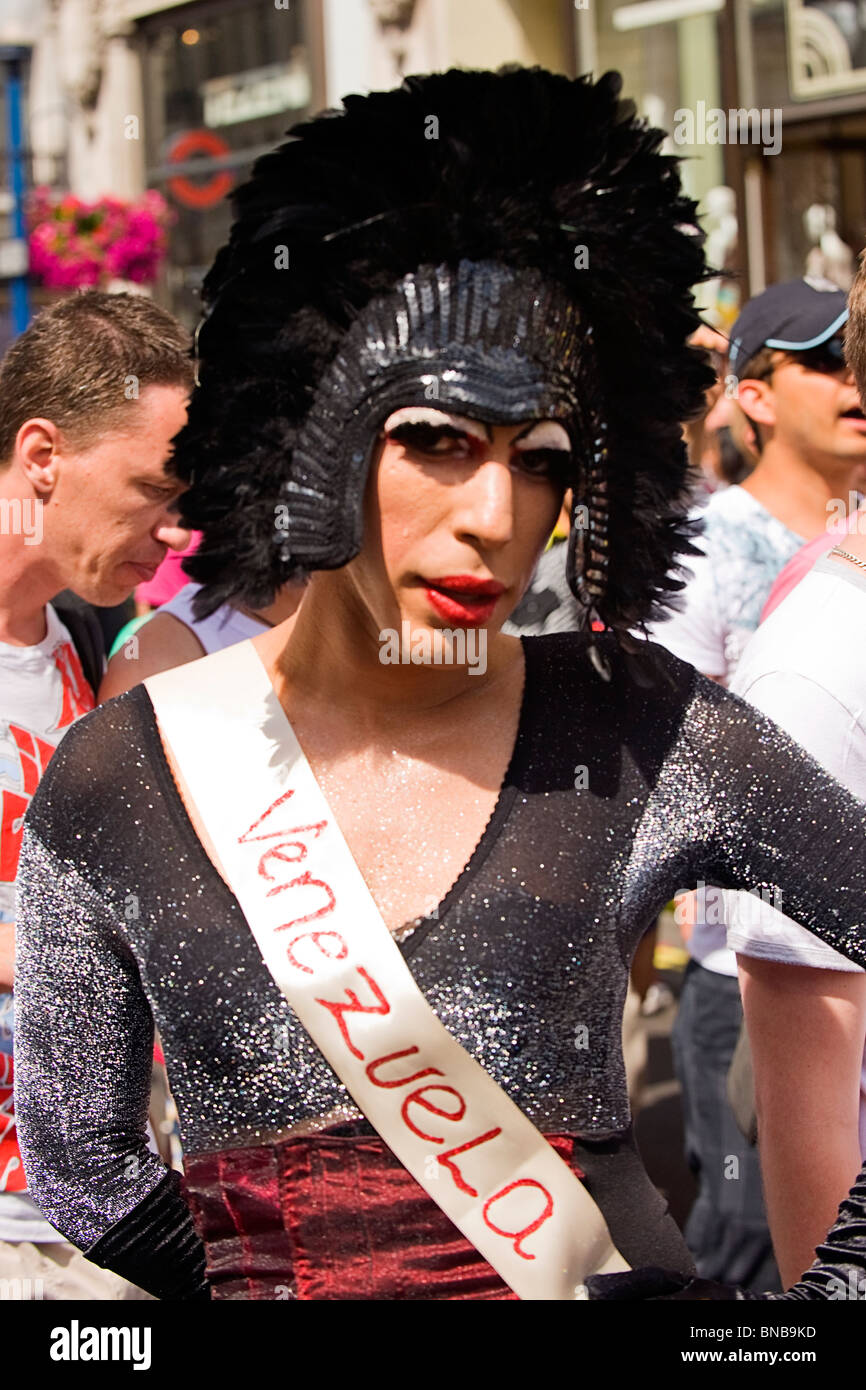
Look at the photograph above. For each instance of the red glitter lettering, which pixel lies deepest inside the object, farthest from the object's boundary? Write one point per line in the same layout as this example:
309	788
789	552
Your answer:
402	1080
462	1149
308	881
278	852
417	1098
248	834
354	1006
316	937
517	1237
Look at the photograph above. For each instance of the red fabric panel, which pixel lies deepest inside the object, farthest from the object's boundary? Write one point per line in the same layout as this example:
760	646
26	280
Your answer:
332	1217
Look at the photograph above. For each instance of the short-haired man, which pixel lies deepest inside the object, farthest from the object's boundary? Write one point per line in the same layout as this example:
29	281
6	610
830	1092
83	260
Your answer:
792	384
805	1005
91	396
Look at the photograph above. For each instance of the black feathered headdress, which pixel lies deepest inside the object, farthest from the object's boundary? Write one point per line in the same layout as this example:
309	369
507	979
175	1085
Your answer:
537	207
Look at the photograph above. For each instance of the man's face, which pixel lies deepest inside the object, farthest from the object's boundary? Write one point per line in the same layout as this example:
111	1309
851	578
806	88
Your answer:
112	515
456	515
817	410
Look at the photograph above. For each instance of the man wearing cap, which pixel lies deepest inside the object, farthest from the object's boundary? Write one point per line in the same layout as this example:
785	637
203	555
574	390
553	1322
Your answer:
788	373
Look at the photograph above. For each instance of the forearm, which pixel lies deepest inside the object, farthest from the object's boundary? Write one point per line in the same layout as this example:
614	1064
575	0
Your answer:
839	1272
806	1028
804	1177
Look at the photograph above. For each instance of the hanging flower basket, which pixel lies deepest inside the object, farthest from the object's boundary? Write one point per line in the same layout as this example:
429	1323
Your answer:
74	244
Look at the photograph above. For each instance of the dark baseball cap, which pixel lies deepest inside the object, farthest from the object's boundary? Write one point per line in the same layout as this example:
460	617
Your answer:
795	316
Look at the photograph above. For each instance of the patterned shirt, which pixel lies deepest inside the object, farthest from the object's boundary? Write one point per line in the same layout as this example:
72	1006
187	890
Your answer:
744	547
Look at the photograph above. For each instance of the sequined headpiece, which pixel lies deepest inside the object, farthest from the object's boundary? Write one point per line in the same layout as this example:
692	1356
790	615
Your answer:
489	342
510	245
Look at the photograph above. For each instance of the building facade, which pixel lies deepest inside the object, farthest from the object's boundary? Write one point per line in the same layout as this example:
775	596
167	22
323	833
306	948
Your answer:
764	100
182	97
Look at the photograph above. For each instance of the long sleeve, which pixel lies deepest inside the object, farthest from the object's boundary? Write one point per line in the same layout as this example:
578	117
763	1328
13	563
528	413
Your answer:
831	730
84	1043
776	823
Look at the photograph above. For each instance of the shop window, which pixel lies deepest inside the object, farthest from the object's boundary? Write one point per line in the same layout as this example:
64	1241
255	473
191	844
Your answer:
223	82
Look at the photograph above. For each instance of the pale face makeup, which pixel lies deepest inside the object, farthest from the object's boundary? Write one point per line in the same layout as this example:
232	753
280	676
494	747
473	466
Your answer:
457	513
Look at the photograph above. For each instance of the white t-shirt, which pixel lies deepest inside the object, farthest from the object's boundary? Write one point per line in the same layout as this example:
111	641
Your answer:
804	668
744	547
43	690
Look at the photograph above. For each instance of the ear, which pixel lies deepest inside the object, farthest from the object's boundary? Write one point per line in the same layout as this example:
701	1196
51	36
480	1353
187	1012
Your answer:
756	399
37	446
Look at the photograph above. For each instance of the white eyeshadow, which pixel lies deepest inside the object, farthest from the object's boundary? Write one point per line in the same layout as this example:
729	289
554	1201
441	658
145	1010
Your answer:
427	415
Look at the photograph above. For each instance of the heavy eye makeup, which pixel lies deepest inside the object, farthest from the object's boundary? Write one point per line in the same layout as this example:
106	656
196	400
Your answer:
542	449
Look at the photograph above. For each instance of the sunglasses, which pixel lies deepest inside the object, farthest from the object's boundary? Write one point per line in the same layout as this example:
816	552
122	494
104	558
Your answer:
827	357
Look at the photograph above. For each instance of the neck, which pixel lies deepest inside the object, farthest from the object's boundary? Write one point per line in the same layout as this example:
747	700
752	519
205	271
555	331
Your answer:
27	580
795	491
330	653
284	606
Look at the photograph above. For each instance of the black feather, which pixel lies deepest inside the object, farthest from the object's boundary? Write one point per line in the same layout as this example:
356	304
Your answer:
525	166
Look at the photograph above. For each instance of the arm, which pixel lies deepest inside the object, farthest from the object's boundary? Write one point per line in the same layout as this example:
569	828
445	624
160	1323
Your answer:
162	643
764	814
807	1029
84	1042
805	1011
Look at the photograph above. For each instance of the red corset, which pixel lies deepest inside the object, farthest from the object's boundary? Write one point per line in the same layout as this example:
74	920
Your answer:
331	1217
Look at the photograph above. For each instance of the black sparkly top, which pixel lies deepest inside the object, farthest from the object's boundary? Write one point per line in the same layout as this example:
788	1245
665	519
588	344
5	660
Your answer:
616	797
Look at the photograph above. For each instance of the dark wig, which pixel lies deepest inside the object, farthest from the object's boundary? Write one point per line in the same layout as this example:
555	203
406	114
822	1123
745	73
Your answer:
521	168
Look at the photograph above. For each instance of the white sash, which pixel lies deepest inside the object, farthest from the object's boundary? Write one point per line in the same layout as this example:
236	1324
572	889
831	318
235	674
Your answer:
325	943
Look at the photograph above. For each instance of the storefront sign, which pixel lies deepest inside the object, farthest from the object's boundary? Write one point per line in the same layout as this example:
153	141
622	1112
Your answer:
246	96
199	195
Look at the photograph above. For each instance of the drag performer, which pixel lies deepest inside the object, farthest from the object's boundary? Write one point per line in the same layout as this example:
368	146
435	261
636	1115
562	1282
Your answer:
380	900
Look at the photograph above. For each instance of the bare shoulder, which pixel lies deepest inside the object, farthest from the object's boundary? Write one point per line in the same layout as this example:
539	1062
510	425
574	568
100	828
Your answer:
162	643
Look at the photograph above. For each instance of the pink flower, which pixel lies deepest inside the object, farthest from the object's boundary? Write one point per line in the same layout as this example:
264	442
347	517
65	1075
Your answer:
74	244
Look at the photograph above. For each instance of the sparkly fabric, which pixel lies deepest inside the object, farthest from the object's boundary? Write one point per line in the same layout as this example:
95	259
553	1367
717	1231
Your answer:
617	796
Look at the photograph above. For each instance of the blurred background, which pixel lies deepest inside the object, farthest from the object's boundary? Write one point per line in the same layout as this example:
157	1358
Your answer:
126	122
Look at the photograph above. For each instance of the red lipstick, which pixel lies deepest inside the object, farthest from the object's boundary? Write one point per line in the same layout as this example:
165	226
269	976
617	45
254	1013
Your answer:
464	599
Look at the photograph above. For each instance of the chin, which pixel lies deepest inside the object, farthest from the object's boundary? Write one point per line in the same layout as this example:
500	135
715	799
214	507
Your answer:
103	593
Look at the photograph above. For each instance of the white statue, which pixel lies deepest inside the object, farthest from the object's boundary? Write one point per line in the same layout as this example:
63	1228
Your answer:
830	258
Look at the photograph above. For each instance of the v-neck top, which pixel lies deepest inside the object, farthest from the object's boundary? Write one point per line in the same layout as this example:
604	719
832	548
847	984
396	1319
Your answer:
617	796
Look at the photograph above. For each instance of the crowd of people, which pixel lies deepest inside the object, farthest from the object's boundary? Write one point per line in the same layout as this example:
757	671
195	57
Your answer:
376	918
